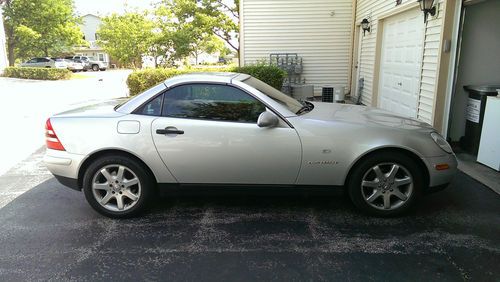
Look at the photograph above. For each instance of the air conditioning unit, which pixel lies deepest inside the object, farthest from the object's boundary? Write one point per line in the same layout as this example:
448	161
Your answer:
327	94
331	94
302	92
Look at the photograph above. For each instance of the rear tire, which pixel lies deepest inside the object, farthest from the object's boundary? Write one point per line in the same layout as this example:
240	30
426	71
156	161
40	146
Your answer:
117	186
95	67
386	184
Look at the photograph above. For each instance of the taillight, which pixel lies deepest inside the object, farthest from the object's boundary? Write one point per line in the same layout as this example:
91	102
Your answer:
51	138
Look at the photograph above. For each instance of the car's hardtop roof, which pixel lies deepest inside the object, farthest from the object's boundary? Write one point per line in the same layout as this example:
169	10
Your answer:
199	77
221	77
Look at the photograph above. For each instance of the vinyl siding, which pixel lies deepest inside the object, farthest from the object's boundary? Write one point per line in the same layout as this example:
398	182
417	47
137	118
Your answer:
320	31
374	9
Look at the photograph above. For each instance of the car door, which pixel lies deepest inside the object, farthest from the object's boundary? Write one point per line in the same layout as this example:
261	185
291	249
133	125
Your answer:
43	63
30	63
36	63
208	133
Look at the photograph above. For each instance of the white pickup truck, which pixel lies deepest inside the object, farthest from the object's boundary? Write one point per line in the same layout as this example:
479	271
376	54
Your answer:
91	63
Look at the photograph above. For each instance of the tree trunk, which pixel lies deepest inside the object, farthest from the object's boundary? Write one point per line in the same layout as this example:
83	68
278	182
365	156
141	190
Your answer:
9	33
10	52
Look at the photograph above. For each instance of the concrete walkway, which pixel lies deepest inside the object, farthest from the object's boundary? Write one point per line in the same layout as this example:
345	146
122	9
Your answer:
26	105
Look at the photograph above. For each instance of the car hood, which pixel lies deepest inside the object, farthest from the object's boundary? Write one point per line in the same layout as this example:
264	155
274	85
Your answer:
104	109
363	115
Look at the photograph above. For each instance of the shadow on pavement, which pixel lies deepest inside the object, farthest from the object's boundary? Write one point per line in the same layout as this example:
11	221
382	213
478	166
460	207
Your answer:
50	232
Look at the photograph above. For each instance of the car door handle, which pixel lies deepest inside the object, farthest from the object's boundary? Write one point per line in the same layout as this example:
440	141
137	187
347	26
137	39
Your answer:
169	130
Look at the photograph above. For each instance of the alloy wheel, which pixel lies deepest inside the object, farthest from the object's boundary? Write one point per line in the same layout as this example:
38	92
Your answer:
116	187
387	186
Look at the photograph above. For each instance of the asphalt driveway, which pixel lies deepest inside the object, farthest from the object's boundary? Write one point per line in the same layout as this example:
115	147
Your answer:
49	232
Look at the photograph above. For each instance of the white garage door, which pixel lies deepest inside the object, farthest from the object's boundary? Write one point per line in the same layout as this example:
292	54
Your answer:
400	64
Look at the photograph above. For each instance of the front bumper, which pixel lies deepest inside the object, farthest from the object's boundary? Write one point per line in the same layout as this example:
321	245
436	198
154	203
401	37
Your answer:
64	166
440	178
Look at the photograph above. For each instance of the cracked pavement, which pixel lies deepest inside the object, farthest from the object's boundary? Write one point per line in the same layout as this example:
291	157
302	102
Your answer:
48	232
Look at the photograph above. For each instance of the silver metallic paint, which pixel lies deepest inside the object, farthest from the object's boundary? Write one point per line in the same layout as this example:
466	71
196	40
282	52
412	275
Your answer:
317	148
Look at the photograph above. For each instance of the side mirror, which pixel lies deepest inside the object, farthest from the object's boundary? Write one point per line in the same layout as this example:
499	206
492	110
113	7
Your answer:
267	119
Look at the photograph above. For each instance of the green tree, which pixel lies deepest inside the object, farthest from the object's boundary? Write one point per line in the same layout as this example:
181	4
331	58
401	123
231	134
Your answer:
171	39
207	17
40	28
208	44
127	37
222	19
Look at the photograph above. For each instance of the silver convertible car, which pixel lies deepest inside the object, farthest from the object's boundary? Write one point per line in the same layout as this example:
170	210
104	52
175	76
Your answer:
229	129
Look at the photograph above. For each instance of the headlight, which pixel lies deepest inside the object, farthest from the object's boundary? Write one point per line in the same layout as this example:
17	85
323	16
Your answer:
441	142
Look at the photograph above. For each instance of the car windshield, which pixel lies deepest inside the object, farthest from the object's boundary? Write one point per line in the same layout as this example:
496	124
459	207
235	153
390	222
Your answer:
293	105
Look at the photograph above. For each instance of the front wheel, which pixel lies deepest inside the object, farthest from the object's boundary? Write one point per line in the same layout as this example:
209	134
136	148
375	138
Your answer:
385	184
95	67
117	186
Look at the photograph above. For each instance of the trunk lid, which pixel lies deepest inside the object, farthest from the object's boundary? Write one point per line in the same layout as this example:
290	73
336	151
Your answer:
100	110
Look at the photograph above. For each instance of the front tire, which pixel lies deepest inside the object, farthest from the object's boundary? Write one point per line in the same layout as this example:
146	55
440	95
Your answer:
386	184
95	67
117	186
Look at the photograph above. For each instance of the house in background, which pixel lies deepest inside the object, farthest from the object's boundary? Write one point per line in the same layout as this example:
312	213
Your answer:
400	63
91	24
320	32
3	53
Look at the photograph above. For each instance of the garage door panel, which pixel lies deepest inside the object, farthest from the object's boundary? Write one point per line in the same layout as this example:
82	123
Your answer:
401	62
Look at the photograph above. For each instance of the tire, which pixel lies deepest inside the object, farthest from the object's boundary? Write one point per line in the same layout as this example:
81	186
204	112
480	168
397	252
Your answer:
377	192
102	69
97	187
95	67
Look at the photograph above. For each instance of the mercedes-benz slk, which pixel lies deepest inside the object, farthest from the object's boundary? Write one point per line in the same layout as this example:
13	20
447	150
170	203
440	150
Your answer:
229	129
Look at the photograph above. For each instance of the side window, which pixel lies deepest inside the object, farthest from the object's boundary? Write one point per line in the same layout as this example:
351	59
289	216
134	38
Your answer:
211	102
153	108
32	61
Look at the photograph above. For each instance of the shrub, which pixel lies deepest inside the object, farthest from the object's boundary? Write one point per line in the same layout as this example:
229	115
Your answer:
271	75
37	73
141	80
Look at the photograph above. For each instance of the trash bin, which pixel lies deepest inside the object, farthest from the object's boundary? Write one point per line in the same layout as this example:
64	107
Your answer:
474	114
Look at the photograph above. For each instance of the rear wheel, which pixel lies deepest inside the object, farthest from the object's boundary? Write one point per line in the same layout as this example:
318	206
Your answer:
385	184
117	186
95	67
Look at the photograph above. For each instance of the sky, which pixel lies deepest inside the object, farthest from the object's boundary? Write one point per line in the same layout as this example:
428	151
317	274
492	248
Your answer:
106	7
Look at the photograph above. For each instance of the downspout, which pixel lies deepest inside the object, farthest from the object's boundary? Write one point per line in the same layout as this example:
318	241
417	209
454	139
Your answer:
353	38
